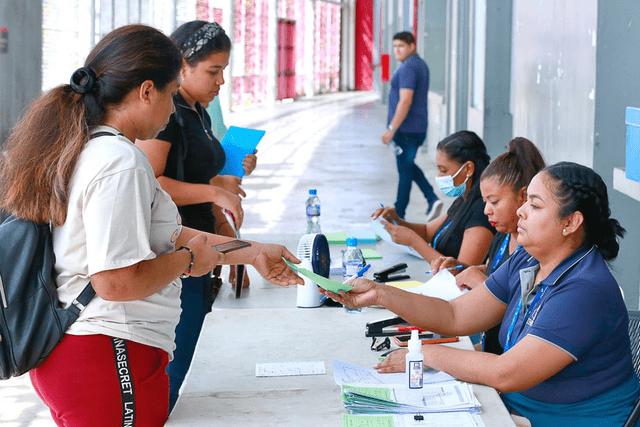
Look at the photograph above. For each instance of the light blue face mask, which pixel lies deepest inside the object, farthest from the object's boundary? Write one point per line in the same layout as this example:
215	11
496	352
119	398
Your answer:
445	183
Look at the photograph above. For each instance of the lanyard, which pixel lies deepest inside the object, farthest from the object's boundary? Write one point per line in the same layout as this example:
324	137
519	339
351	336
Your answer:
501	253
508	344
435	239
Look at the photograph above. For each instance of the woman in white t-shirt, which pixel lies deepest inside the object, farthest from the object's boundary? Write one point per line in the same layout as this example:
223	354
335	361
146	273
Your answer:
71	162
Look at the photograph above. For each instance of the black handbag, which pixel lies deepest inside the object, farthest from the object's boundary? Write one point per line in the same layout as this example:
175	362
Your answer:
32	322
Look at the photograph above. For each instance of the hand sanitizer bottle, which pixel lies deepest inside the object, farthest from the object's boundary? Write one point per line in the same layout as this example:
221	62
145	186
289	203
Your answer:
414	367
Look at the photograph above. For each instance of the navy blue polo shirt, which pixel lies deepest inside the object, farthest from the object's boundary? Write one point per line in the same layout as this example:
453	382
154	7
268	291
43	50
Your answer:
581	312
412	74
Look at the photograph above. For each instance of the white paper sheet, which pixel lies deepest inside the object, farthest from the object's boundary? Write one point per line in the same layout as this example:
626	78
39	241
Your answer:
377	226
442	285
345	373
290	369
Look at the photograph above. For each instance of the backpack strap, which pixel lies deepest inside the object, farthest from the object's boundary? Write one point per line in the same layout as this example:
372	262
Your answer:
82	300
103	133
87	294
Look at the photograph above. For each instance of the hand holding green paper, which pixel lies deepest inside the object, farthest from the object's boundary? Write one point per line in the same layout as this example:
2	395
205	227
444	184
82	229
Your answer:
323	282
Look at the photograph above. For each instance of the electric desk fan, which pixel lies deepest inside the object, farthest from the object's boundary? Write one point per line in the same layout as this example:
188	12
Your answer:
313	251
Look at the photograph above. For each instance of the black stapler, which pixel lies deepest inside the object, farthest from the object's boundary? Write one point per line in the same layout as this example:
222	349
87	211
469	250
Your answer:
384	276
379	336
377	328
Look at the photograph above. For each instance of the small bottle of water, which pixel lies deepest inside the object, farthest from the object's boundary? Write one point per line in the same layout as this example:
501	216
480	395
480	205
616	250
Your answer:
396	148
313	212
352	262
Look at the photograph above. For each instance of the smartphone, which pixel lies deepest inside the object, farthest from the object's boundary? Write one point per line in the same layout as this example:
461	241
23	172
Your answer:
231	246
425	337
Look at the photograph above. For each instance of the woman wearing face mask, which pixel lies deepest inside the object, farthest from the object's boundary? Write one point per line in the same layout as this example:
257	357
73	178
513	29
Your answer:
503	185
464	232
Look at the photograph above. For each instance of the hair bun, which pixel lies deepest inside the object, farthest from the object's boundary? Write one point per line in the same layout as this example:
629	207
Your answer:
83	80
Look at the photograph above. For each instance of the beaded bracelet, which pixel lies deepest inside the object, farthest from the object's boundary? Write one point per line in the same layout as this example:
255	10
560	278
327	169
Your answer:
188	272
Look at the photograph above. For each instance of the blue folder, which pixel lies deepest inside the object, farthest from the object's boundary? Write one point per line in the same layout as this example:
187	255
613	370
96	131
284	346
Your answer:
237	143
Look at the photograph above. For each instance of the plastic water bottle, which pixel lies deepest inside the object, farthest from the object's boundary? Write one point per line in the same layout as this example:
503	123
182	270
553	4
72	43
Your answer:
352	262
396	148
313	212
414	368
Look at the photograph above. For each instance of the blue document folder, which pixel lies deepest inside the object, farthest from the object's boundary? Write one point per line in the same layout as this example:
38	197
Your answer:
237	143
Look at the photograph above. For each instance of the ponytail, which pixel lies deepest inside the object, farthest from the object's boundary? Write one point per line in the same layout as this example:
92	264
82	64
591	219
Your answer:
39	157
38	160
517	166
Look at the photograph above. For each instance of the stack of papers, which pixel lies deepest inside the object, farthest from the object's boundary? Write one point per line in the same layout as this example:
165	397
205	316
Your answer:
381	400
449	419
450	396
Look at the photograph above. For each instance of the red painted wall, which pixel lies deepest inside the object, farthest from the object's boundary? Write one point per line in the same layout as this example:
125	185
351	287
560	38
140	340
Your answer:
364	45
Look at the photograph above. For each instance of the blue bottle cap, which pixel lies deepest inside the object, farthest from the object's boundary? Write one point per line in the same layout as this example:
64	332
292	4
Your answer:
352	241
313	192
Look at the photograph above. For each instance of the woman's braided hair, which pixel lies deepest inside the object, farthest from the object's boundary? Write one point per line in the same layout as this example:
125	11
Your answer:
580	189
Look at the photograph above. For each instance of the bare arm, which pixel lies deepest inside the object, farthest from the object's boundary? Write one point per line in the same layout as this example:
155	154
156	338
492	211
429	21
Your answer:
265	257
402	110
527	364
473	312
475	245
147	277
403	107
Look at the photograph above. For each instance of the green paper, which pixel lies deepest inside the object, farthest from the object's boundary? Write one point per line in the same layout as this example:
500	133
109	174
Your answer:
368	253
323	282
375	392
337	238
349	420
364	237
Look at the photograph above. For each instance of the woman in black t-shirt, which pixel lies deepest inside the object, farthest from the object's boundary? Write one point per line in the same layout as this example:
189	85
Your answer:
464	231
187	159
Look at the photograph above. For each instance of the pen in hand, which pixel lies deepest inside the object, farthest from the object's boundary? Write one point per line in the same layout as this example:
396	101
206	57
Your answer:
457	267
392	221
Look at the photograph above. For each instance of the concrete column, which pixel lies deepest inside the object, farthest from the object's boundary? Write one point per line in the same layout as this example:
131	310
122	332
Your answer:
309	46
21	66
272	53
228	12
348	45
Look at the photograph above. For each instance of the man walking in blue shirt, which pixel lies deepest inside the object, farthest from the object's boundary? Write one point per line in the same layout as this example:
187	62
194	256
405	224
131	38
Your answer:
407	122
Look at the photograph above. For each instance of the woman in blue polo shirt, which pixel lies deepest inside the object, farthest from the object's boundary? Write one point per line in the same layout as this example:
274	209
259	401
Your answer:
567	359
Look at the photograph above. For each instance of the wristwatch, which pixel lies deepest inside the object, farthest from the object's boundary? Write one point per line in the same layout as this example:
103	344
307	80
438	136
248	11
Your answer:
391	128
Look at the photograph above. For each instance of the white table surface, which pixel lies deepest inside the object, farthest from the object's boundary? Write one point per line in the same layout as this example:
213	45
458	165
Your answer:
265	326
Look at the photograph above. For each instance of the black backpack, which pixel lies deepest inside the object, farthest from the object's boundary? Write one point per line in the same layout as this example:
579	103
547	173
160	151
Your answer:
32	322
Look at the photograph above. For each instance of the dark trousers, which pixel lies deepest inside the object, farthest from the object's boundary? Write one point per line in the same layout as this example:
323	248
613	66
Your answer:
196	300
408	171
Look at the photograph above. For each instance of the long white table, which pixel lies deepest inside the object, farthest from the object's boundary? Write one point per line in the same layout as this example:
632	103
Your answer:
265	326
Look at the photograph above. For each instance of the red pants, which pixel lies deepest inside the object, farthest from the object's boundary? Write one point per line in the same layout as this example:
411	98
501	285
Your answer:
79	383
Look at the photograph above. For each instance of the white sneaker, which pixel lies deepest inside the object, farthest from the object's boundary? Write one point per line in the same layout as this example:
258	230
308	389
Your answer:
434	210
